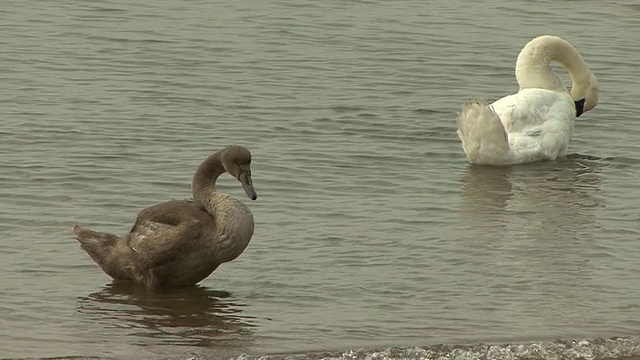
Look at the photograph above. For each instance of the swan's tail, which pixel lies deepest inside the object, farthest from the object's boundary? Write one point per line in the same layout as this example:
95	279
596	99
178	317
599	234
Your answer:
483	136
105	249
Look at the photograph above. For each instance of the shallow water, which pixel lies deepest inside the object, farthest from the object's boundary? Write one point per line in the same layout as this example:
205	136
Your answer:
372	231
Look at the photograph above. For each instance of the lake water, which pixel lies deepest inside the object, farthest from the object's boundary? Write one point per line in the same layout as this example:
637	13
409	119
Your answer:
374	237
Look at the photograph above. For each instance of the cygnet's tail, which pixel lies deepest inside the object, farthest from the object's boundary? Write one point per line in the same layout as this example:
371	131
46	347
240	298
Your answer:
90	239
483	136
106	250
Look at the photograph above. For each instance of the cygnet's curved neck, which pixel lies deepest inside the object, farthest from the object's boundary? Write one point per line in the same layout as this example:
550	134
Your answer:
203	186
533	69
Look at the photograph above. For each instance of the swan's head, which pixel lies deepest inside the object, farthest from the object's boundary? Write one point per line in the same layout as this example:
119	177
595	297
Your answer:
237	161
585	95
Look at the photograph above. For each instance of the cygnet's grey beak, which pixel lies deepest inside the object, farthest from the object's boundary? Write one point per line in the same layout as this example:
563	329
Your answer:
245	179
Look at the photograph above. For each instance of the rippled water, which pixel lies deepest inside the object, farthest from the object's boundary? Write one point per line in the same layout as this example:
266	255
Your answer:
371	229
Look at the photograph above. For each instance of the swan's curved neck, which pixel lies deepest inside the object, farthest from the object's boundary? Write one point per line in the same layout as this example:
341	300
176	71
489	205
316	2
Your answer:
203	186
533	69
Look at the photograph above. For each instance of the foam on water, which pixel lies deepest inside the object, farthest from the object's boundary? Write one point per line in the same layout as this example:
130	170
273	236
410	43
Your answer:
618	348
594	349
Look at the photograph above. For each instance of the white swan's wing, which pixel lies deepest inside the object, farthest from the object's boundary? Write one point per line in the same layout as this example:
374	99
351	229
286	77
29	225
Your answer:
534	110
539	123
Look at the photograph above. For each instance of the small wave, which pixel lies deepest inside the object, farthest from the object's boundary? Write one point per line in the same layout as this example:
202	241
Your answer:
595	349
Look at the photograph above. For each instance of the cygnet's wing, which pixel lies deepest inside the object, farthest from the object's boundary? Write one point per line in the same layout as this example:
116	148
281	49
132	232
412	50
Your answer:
165	230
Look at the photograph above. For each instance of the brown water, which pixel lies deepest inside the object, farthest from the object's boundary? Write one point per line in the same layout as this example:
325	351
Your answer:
371	228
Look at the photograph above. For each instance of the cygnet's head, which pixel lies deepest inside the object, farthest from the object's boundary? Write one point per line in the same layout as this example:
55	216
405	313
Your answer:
237	161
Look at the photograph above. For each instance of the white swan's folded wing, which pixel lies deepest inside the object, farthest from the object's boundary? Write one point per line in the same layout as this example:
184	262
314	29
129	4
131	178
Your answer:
532	109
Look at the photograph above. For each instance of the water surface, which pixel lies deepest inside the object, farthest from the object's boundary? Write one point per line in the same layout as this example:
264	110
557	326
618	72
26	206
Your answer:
372	230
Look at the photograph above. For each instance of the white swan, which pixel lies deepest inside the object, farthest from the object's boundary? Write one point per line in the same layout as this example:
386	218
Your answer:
536	123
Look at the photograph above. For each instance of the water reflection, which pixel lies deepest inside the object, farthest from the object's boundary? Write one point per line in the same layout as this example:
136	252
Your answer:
190	316
544	195
534	229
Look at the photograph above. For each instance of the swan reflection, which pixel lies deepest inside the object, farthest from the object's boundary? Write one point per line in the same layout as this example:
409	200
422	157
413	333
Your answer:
533	237
548	196
190	316
543	213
